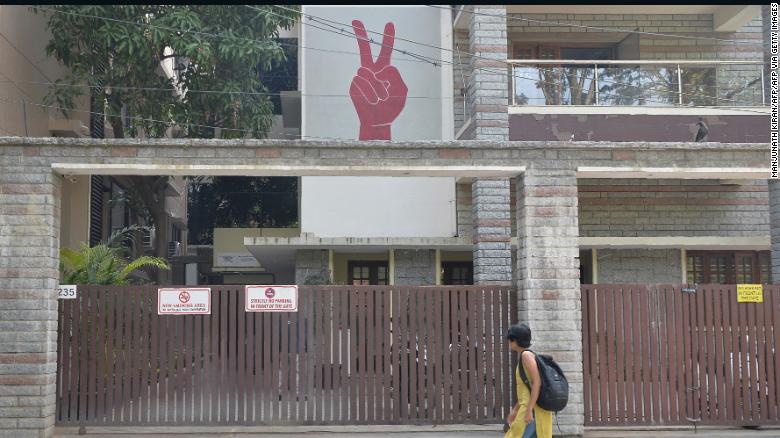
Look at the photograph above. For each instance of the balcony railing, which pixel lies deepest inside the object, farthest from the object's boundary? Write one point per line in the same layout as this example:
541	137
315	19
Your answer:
633	83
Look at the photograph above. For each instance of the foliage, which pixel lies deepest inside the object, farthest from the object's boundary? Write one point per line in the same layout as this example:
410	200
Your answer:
106	263
125	49
240	202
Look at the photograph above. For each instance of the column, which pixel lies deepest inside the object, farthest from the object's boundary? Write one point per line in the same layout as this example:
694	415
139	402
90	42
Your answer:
488	98
774	227
29	247
491	231
548	279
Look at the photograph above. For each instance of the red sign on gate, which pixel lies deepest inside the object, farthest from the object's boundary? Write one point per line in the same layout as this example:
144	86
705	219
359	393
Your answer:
190	301
271	299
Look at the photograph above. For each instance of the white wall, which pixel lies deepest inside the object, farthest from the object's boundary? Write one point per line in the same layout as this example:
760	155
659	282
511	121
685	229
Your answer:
378	207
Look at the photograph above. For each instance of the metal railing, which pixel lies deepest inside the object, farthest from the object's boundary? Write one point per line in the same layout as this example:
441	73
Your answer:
659	83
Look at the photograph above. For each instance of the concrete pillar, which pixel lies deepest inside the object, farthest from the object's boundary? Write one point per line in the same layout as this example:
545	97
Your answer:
774	227
488	89
766	25
548	276
492	232
29	247
488	98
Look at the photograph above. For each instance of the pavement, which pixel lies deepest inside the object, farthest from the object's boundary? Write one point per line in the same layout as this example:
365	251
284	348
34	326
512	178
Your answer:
455	431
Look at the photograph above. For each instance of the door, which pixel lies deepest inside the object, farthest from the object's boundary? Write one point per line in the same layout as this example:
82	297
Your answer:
367	273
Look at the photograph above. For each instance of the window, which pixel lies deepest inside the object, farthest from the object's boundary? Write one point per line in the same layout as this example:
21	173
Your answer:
558	84
457	273
367	273
728	267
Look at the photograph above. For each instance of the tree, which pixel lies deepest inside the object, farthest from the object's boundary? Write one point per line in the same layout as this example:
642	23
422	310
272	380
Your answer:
117	51
106	263
246	202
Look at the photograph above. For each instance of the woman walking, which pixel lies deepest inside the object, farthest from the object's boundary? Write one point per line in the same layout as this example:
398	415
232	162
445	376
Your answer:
526	419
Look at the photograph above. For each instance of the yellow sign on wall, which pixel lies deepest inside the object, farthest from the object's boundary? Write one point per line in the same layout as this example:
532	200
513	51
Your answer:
750	293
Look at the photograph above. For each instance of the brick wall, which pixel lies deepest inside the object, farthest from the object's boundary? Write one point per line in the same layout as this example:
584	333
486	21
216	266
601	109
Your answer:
639	207
629	266
415	267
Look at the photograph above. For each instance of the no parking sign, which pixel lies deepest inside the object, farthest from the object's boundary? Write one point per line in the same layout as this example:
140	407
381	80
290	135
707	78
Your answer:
271	299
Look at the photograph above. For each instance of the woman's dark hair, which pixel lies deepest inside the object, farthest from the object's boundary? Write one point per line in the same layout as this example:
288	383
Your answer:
521	334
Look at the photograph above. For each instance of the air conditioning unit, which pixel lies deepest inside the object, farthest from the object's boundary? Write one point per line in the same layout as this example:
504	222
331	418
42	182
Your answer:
174	249
149	236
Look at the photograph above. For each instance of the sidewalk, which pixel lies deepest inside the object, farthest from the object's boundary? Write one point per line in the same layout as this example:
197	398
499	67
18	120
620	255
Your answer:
454	431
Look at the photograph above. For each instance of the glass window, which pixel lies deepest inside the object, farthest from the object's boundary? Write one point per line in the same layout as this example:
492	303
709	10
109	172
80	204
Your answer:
728	267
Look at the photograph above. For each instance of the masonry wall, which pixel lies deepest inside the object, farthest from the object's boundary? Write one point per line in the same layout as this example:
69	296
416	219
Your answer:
638	266
415	267
465	219
311	266
644	208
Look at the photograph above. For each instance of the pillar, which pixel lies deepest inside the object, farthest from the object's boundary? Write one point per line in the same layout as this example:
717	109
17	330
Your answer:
774	227
29	247
488	98
548	279
491	231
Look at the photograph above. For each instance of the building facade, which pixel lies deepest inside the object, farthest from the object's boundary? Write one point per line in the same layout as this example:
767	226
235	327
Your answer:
531	147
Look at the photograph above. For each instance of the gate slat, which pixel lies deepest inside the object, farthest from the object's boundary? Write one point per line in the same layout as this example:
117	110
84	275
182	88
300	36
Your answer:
709	398
587	384
761	361
774	311
471	353
673	358
241	337
664	356
620	387
744	366
447	347
752	354
770	345
719	338
268	392
735	388
490	345
480	338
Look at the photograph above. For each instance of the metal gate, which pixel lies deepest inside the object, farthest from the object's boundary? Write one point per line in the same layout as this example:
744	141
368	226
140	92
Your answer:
666	355
350	355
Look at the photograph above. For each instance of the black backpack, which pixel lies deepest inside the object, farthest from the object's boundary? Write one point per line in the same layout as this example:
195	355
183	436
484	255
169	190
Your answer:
554	393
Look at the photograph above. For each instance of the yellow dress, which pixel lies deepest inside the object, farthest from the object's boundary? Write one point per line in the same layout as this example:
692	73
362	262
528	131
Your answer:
543	418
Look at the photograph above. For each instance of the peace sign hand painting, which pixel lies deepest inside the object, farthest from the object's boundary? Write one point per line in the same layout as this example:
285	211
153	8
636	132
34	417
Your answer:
377	90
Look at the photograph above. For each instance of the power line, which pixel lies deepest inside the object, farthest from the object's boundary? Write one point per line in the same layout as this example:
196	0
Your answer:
356	53
605	29
212	35
249	93
342	31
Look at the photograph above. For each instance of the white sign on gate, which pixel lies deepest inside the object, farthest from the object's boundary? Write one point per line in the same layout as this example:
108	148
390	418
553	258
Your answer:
66	291
271	299
186	301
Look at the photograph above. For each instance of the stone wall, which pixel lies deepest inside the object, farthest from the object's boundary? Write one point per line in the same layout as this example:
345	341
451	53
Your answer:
630	266
415	267
29	247
547	263
641	207
311	266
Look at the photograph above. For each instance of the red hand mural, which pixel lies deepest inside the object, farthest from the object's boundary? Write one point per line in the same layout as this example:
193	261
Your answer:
377	90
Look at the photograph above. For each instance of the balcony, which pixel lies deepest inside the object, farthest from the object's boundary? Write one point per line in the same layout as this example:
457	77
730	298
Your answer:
730	84
606	100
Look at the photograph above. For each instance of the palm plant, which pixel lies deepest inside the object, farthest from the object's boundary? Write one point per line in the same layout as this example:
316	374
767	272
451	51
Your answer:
106	263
